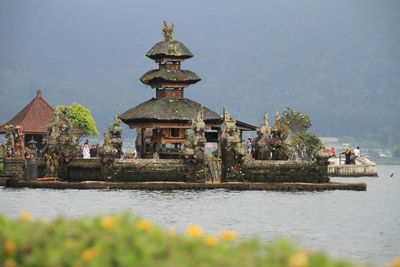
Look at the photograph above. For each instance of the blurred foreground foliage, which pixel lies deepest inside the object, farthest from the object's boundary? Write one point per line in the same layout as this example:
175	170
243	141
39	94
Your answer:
125	240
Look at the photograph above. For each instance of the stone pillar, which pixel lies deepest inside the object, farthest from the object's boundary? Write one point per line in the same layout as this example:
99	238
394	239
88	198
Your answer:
322	159
193	151
263	141
232	150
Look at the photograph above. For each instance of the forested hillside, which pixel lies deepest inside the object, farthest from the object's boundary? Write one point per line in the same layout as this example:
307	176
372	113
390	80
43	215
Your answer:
337	61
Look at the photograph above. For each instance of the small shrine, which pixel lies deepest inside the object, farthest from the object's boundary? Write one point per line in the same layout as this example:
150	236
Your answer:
32	120
163	121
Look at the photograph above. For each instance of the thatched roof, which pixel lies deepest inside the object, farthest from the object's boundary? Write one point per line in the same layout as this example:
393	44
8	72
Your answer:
166	109
163	75
170	49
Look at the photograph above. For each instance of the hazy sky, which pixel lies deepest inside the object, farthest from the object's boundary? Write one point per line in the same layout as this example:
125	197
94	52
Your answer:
339	61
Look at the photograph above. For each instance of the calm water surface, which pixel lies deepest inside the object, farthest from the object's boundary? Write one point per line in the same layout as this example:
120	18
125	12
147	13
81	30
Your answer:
362	226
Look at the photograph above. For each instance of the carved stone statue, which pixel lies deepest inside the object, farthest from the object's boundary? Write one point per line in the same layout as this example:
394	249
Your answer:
15	145
194	147
232	150
10	143
278	143
263	141
112	147
168	31
62	145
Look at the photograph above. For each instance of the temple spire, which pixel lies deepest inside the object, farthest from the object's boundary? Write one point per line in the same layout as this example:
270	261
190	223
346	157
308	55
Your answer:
38	92
168	31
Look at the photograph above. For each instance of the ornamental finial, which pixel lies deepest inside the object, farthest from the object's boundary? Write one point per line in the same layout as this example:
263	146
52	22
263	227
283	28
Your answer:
168	31
38	92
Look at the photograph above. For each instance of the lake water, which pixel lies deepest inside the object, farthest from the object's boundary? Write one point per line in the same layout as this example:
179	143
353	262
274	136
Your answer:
362	226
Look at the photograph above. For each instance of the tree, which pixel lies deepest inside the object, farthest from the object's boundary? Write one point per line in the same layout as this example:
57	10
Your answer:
296	122
304	143
80	118
311	144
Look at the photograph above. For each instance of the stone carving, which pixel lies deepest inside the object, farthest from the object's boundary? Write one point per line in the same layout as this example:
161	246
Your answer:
278	142
271	143
31	169
15	144
112	147
263	144
2	151
193	149
19	142
194	146
232	149
32	149
10	143
62	145
168	31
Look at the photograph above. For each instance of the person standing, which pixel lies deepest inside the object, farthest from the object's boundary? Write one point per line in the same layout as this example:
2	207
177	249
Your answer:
357	152
347	155
93	152
249	146
86	150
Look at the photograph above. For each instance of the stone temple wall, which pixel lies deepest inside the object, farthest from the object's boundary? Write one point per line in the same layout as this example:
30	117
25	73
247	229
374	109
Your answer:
167	170
280	171
141	170
85	169
134	170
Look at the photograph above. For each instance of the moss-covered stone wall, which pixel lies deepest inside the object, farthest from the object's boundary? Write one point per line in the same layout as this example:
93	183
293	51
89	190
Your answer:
280	171
173	170
14	168
140	170
84	169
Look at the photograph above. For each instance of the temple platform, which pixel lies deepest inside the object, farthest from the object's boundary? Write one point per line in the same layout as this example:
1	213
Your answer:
362	167
241	186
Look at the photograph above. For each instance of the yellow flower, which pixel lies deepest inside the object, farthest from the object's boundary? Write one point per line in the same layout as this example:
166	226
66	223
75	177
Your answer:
25	216
171	232
194	231
10	263
9	247
298	259
89	254
108	222
395	262
210	240
229	235
144	225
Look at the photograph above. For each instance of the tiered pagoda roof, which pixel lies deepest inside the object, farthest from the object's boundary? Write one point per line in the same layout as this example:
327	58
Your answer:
160	77
169	49
34	117
169	80
167	109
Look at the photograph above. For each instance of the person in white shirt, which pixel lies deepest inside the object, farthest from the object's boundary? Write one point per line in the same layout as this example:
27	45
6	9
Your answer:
86	150
357	152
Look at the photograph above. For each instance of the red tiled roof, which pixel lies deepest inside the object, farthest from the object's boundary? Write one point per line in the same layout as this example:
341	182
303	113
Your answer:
34	117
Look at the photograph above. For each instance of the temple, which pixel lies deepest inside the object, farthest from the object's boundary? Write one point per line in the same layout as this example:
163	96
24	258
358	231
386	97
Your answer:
161	122
32	119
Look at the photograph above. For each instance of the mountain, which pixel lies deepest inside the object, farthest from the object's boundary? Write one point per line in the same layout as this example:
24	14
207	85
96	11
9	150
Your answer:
338	61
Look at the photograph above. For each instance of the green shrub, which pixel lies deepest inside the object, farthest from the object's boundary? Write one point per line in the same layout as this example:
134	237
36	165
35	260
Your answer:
125	240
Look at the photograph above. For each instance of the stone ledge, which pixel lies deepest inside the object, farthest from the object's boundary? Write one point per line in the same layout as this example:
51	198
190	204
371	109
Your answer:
187	186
